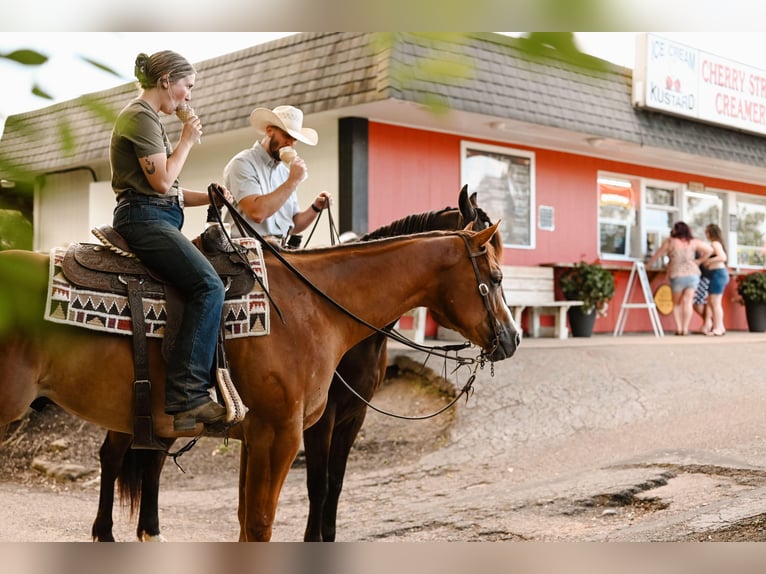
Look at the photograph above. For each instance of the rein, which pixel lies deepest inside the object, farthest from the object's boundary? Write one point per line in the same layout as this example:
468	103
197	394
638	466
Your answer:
246	229
467	388
334	235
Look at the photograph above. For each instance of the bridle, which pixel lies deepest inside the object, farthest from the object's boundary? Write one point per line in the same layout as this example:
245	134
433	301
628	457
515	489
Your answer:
484	293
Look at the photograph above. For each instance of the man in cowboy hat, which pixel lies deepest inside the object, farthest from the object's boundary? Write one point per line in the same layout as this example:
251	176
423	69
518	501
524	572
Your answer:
264	179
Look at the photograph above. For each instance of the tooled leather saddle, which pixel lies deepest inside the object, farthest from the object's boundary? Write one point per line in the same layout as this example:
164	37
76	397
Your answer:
107	267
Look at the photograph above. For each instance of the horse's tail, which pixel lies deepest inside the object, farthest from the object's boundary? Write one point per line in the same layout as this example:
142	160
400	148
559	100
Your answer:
140	470
130	477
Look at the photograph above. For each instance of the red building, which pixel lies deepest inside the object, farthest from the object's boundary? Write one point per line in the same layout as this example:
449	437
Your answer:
578	162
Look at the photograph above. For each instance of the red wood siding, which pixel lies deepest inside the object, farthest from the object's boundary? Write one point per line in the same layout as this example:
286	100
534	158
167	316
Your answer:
410	171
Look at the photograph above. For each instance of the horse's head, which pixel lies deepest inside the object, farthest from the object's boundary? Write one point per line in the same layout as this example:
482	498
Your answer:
496	333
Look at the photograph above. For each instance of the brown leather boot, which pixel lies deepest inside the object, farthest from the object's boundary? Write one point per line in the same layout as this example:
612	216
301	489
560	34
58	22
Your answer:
206	413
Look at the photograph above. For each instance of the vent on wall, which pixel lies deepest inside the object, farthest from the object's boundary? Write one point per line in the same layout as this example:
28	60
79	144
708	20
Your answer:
545	218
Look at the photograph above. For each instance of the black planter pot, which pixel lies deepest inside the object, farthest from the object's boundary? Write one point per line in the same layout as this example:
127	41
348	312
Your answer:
756	317
581	323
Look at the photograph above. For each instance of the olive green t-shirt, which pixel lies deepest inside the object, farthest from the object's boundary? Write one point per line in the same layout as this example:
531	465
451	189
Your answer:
137	133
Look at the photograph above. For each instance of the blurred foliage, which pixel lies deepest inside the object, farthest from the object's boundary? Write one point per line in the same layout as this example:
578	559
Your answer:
22	298
434	63
16	202
423	58
25	128
15	230
560	45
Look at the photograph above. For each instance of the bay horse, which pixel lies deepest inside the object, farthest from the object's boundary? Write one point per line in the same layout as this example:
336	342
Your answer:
284	377
327	443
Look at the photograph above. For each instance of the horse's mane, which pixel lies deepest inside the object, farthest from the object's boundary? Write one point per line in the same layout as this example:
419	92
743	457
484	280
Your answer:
414	223
420	222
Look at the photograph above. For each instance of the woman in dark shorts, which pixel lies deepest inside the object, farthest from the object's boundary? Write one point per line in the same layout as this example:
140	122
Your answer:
718	275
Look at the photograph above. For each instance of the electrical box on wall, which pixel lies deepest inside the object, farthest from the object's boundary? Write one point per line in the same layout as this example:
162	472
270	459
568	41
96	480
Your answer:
545	218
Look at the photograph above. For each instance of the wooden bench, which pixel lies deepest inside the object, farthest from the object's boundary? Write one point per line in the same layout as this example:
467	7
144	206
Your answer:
533	288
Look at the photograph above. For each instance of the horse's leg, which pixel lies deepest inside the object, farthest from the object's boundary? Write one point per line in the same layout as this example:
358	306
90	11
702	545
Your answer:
242	506
343	438
316	445
111	456
271	450
364	368
150	463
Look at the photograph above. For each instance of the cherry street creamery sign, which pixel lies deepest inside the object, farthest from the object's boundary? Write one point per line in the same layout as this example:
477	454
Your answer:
680	80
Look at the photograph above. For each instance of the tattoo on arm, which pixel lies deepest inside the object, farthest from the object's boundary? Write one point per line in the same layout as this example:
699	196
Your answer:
149	166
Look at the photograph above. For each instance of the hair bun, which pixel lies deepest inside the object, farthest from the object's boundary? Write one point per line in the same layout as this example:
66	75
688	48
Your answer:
140	69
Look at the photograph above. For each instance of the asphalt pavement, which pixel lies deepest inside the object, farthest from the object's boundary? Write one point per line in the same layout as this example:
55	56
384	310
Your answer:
630	438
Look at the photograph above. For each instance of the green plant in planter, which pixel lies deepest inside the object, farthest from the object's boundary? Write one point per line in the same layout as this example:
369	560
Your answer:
752	287
589	283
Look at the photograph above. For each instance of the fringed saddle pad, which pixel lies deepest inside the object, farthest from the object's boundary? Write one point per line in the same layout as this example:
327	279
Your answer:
246	316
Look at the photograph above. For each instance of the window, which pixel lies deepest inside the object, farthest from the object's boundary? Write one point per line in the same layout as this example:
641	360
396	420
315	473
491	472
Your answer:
505	181
661	211
616	217
751	230
701	209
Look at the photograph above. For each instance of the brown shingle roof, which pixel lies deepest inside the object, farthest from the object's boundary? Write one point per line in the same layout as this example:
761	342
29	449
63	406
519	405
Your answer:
330	71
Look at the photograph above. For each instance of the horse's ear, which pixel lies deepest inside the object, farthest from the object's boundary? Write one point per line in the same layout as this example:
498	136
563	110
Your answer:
467	207
485	235
473	199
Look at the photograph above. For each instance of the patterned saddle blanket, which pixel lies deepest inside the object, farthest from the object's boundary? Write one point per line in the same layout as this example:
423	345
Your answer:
87	287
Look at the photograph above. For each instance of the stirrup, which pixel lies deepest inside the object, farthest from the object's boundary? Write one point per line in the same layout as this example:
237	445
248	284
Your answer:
235	408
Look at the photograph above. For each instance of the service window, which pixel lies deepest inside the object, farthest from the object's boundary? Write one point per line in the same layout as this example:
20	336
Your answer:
751	231
661	211
616	217
702	208
505	180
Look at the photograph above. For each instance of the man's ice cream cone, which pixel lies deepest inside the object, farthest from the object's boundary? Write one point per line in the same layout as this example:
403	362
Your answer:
287	154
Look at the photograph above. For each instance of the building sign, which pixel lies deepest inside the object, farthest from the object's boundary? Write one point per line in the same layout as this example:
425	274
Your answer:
676	79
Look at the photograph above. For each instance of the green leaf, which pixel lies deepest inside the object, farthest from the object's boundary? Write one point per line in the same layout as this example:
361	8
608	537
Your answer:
66	137
97	106
38	91
26	57
100	66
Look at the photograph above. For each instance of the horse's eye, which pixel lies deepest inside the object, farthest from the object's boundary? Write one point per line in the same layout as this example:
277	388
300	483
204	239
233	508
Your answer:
496	276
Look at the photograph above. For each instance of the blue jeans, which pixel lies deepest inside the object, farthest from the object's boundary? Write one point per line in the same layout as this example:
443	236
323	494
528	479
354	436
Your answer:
152	228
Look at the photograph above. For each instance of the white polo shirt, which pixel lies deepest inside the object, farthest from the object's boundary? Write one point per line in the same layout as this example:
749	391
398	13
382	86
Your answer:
253	171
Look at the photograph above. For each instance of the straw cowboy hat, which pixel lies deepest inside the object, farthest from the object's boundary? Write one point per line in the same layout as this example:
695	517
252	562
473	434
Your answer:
287	118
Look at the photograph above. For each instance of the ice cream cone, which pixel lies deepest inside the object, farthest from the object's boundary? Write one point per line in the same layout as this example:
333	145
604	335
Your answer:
185	112
287	154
